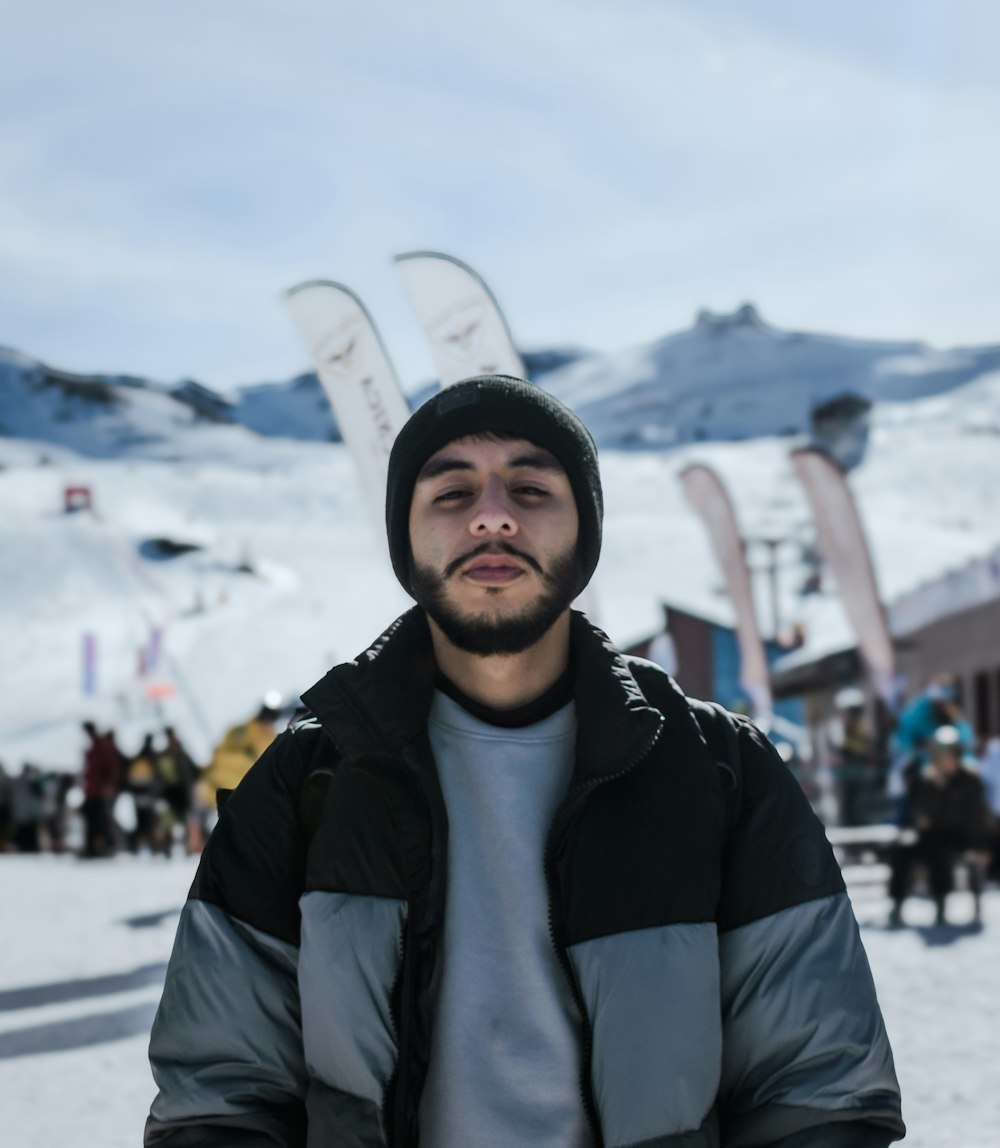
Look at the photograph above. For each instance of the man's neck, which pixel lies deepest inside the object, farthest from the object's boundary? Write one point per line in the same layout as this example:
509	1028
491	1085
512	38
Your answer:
505	681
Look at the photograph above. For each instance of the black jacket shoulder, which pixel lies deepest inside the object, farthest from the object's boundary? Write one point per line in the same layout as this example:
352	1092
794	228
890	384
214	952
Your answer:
253	866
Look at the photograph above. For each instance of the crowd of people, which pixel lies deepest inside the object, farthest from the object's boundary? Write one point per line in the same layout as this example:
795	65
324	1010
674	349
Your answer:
928	776
155	800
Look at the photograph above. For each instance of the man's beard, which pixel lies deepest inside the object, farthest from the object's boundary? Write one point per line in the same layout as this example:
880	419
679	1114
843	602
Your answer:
485	634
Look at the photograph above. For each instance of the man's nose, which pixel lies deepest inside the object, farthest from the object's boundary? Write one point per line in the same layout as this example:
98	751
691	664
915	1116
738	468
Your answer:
494	513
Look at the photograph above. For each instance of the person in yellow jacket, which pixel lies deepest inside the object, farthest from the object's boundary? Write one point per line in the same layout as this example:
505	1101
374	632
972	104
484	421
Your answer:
239	748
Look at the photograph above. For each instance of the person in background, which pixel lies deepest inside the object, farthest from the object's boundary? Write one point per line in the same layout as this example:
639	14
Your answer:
57	787
142	782
178	775
6	797
239	748
936	706
952	818
100	781
989	771
852	747
28	809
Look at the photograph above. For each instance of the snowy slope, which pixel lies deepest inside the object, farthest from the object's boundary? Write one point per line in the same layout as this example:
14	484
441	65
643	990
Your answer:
319	586
102	417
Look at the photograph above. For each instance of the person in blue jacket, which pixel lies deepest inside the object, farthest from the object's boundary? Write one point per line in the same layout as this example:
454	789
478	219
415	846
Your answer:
934	707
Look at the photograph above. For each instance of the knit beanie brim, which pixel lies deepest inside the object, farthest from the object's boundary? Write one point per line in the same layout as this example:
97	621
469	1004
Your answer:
494	404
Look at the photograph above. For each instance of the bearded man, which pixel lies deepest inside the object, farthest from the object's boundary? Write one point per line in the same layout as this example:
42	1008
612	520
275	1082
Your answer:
502	886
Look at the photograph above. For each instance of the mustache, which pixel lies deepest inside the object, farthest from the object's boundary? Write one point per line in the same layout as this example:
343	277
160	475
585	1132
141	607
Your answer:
494	548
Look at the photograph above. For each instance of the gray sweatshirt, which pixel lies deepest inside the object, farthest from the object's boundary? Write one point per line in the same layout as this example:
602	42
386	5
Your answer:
506	1057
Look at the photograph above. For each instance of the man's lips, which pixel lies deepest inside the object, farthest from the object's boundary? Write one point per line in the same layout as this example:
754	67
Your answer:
497	556
493	571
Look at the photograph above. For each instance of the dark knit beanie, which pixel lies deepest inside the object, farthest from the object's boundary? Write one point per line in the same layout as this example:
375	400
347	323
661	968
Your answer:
494	404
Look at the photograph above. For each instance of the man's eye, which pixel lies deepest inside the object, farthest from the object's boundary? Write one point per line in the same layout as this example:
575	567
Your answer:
533	491
451	496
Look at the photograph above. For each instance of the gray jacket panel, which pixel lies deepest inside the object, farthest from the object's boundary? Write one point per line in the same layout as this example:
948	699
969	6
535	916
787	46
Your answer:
647	991
337	1120
801	977
350	955
707	1136
206	1051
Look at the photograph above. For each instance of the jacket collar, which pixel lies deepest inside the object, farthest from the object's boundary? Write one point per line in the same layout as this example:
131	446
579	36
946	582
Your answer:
376	705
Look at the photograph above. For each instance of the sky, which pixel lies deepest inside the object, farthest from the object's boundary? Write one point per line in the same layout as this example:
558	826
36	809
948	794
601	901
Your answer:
168	169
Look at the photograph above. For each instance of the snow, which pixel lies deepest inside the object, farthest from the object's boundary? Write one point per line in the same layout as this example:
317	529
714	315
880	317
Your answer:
85	945
289	575
286	575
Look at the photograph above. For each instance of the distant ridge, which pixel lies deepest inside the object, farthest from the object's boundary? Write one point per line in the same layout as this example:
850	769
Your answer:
729	376
733	376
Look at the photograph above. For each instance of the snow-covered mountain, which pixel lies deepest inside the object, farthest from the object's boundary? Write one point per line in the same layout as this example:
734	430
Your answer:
728	377
114	416
110	416
734	376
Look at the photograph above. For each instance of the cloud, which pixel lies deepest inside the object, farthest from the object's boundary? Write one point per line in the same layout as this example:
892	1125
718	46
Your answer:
166	169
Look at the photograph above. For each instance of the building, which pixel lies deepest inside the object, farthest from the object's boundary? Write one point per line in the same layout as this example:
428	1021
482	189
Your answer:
703	656
948	625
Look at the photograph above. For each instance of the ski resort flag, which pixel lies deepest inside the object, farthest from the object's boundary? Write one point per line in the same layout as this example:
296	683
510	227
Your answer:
843	544
707	495
357	376
465	329
89	664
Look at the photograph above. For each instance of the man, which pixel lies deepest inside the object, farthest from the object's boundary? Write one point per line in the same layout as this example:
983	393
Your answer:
853	755
935	706
495	889
952	818
100	781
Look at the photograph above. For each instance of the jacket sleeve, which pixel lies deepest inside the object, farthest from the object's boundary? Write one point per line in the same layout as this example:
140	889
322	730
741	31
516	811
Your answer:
806	1059
226	1047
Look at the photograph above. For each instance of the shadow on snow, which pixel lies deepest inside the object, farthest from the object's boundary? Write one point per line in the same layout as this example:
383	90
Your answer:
58	992
79	1032
63	1035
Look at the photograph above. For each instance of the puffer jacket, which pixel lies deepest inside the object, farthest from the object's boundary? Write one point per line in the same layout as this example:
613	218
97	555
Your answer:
696	909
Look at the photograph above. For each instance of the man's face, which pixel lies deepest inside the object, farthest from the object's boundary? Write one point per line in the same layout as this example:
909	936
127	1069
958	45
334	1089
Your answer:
493	530
947	762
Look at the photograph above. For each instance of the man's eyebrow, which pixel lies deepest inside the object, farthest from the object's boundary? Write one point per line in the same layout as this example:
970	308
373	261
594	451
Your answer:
530	460
435	467
537	460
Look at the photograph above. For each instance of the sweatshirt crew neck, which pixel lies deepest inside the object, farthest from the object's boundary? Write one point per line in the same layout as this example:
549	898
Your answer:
559	694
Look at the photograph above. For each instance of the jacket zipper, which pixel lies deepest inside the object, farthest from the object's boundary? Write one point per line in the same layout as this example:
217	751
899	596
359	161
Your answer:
555	935
392	1088
394	1115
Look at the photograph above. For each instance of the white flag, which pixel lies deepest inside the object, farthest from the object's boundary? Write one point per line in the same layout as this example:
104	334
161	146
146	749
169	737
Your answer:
356	375
461	320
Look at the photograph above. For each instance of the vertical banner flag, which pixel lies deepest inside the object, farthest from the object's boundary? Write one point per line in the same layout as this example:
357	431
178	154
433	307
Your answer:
154	648
708	497
843	543
461	320
357	376
89	664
